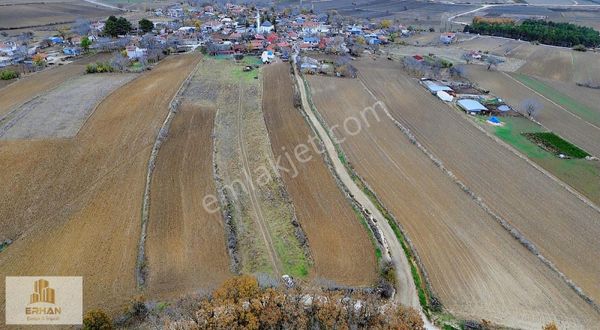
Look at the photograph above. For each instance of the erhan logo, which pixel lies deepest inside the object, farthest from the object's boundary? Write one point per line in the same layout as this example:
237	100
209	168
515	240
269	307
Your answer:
42	300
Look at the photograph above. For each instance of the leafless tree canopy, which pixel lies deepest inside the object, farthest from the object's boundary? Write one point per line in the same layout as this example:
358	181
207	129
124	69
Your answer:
531	107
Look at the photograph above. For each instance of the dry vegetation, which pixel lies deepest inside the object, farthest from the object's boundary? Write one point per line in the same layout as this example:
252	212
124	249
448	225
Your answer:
339	244
268	237
240	303
475	267
39	14
72	207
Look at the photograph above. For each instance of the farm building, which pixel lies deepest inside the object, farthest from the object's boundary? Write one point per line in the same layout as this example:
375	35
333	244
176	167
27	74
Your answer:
434	86
471	106
447	37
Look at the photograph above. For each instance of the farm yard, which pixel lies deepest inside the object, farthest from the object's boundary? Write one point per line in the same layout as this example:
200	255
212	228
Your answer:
72	206
339	243
511	187
579	125
475	267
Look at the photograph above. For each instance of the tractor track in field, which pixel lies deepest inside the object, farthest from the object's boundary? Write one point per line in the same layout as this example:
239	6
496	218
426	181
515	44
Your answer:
260	219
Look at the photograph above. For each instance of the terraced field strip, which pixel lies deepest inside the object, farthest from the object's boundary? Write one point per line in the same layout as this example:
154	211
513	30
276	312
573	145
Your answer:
339	244
555	220
265	232
475	267
186	245
259	217
73	205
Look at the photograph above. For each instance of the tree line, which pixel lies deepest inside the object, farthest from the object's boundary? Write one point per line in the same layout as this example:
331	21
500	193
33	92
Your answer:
546	32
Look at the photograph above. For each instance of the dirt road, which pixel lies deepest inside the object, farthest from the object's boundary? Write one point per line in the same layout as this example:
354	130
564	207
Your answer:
406	290
339	244
73	206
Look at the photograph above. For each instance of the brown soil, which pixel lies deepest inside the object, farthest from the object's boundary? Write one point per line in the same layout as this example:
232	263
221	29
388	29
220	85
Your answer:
339	244
73	206
476	268
34	84
186	243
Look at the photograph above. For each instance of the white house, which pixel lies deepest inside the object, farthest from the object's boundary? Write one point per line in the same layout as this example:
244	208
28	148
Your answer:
134	52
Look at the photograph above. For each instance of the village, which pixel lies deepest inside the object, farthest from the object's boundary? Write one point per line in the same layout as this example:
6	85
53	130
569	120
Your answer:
433	163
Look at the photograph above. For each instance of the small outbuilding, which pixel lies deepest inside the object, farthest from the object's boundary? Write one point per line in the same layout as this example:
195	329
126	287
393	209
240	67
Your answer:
435	87
444	96
471	106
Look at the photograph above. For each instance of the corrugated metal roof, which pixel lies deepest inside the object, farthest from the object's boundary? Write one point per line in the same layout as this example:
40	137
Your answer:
471	105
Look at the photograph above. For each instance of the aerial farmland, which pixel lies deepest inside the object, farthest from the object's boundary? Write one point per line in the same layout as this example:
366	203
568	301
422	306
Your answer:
322	164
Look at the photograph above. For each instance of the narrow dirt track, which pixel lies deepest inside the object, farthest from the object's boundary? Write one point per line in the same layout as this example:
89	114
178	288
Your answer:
476	268
339	244
406	293
73	205
259	217
186	243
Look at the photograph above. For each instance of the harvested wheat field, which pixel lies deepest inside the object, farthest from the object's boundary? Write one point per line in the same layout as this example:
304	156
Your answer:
61	112
563	227
579	127
340	245
550	62
475	267
72	206
35	84
267	236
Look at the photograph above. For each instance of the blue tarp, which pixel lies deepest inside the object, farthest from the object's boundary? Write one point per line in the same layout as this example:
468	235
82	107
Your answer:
494	120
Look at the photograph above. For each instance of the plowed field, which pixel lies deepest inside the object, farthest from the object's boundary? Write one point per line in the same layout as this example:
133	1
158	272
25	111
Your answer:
72	207
339	244
476	268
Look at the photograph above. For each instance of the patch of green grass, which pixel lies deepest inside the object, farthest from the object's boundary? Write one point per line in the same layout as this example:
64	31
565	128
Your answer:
556	144
565	101
580	174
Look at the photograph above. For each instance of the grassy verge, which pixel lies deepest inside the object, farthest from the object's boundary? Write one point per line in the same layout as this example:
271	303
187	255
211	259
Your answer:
565	101
555	144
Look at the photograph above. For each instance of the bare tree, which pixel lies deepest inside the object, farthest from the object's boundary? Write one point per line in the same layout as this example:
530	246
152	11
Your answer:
119	61
81	27
531	107
492	61
458	71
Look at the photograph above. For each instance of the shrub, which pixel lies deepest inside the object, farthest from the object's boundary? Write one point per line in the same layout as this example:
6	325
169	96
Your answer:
97	319
99	67
9	74
580	48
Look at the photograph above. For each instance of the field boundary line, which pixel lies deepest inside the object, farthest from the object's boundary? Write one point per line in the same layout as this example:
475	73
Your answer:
93	111
514	232
141	262
549	100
